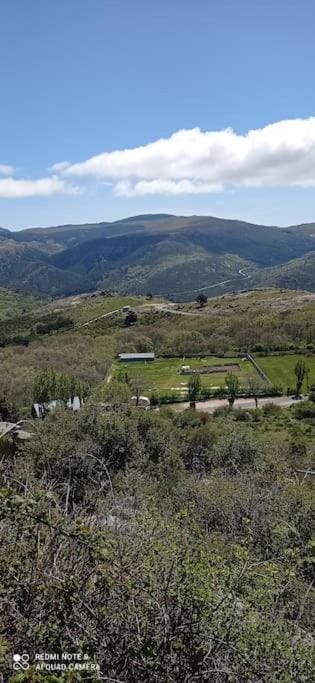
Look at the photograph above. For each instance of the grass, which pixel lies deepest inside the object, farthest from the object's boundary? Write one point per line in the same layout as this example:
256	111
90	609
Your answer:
280	369
82	310
162	375
26	312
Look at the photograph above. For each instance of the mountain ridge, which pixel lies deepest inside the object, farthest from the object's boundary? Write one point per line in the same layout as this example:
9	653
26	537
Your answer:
154	252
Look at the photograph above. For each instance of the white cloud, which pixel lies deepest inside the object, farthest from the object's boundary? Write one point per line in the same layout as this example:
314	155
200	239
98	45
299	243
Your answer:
60	166
125	188
5	169
195	161
41	187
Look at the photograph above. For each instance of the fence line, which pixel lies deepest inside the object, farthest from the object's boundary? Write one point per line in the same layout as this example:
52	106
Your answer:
261	373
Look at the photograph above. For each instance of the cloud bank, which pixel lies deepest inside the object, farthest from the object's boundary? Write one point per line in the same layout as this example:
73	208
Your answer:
195	161
188	162
41	187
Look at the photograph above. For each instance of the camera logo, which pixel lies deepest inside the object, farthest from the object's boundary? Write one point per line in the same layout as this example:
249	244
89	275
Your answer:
21	662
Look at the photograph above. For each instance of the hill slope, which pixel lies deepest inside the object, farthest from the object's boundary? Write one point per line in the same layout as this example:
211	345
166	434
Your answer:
299	273
159	253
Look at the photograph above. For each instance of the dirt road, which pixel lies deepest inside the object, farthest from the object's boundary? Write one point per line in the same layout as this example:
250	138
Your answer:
243	403
212	286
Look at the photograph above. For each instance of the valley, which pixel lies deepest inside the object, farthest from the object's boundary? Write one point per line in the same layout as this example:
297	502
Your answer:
208	487
82	335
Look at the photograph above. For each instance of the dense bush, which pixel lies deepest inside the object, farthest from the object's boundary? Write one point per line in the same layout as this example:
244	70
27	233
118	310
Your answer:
53	324
165	547
304	409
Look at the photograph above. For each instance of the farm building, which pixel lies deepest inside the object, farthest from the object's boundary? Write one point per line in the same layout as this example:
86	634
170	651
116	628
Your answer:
127	357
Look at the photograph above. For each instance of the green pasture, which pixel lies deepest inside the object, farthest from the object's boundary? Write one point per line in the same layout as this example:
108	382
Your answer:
280	370
162	376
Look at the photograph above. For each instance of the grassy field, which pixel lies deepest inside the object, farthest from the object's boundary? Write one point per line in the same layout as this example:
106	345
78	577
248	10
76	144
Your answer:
81	310
162	375
280	369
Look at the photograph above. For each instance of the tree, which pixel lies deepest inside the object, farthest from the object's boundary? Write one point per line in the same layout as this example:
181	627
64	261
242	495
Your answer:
300	371
131	318
82	390
232	385
64	386
44	388
149	295
194	386
138	385
202	300
255	387
117	392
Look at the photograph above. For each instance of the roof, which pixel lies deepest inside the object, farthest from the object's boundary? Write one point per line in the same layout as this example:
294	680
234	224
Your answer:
136	356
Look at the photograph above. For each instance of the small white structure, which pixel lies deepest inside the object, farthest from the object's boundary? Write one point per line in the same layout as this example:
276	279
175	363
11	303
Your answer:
185	368
125	309
140	402
40	409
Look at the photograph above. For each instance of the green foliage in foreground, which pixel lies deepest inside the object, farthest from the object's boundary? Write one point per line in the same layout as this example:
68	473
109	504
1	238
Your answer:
167	548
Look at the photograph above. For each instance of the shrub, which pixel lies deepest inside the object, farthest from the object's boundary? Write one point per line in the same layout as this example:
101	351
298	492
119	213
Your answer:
222	411
304	409
258	348
53	324
241	415
272	409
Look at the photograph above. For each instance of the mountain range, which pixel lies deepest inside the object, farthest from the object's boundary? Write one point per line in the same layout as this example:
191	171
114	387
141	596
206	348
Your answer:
164	254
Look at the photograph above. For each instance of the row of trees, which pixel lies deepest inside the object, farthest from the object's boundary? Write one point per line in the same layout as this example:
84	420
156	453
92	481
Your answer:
52	386
255	387
232	387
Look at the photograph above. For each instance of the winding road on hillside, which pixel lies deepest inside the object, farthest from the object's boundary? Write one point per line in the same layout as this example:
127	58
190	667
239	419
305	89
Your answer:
202	289
169	307
94	320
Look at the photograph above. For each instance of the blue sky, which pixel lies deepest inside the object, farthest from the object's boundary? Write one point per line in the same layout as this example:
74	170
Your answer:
83	78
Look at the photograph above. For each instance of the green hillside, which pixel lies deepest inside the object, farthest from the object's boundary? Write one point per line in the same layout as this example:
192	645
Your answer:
298	273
